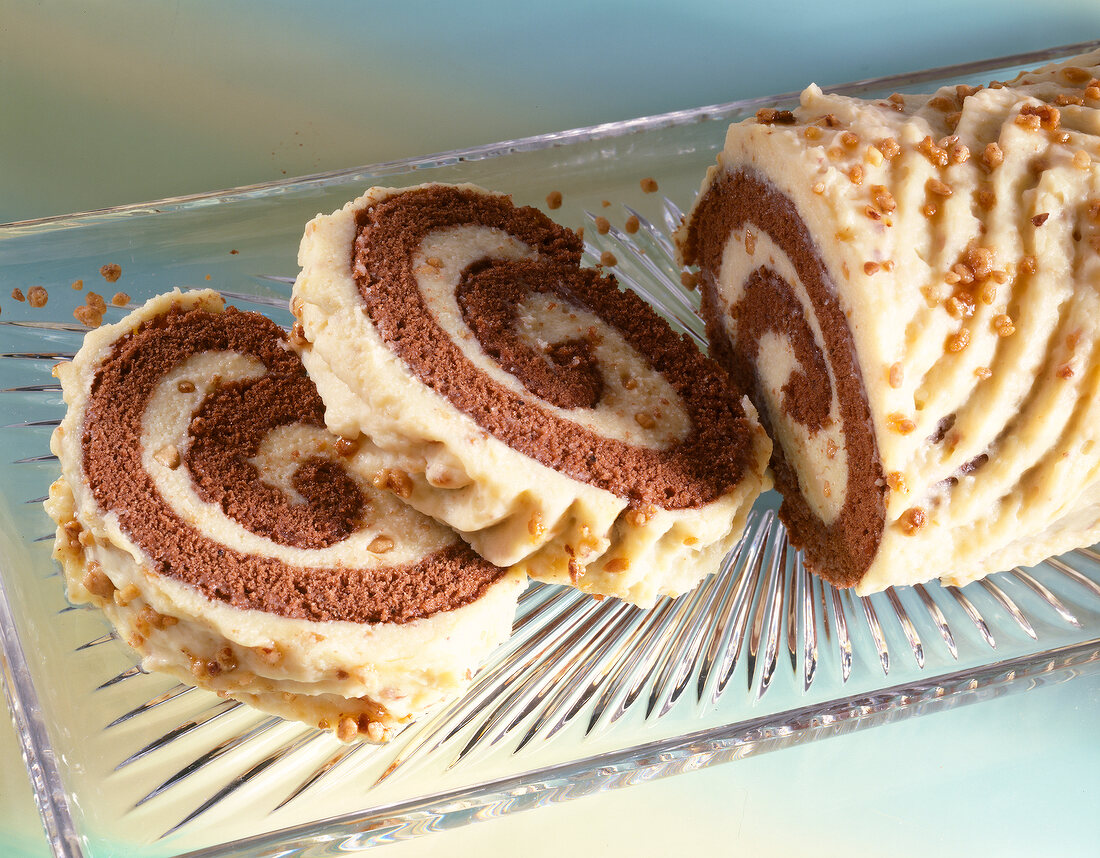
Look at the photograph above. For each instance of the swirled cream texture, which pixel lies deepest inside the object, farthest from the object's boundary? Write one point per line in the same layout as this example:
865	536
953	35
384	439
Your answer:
945	249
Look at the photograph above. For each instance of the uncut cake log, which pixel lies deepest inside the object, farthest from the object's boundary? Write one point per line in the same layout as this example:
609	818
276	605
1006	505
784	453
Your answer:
909	287
554	420
239	546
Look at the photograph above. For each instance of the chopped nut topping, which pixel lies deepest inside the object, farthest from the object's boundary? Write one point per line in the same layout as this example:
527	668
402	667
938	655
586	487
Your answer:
960	306
617	564
960	154
1074	74
298	335
913	520
605	203
811	132
1063	100
993	156
120	299
185	386
78	285
535	527
896	98
168	456
942	103
395	480
1028	264
937	155
1081	159
988	293
871	268
608	259
873	156
818	188
898	422
963	92
872	213
380	545
37	296
648	185
347	447
896	481
17	294
958	341
553	200
771	116
632	224
96	582
940	189
849	139
1003	325
829	120
928	209
126	595
111	272
987	199
855	175
883	199
688	280
347	729
830	449
435	262
603	225
983	372
1093	93
896	375
1065	371
750	242
889	147
645	420
980	261
963	272
376	731
1028	121
1040	219
629	382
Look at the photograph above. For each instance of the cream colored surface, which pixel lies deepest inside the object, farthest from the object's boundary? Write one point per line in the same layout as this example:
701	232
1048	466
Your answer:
1027	400
510	508
319	672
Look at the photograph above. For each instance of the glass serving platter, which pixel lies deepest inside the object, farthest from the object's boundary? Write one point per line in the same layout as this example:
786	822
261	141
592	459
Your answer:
587	695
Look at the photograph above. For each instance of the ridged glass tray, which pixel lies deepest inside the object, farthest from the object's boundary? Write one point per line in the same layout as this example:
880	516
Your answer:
586	695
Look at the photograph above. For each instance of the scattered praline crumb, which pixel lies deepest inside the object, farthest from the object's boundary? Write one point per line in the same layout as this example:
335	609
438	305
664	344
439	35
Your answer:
78	285
649	184
111	272
120	299
603	225
632	224
17	294
553	200
608	259
37	296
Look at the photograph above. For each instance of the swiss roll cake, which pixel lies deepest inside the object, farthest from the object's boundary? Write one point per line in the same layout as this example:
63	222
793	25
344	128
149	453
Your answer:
910	289
551	418
239	546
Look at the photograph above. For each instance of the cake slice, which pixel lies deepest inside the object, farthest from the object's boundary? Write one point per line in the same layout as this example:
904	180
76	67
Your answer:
239	546
910	288
554	420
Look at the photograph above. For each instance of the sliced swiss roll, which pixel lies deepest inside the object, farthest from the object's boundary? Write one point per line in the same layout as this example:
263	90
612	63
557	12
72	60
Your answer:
239	546
554	420
911	289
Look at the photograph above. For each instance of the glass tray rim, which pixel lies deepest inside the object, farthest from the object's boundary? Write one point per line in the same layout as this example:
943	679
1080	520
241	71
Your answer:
385	821
605	130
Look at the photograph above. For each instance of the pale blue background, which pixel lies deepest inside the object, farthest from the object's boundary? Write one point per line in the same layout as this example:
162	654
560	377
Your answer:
111	103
